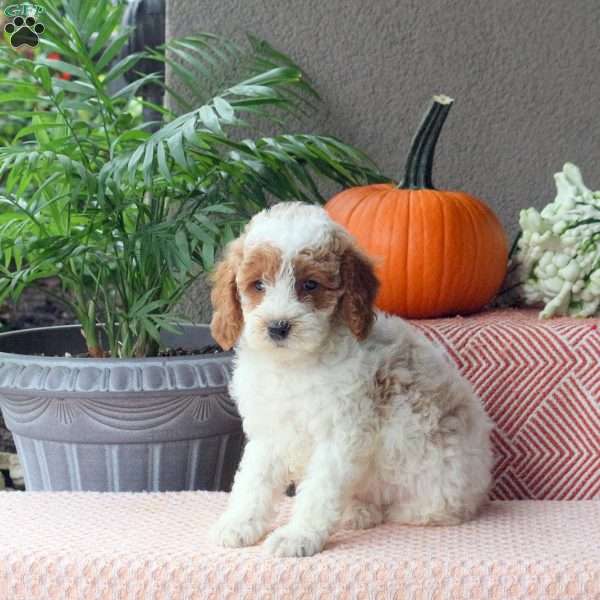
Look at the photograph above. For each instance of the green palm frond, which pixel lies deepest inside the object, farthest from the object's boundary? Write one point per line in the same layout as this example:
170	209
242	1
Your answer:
125	213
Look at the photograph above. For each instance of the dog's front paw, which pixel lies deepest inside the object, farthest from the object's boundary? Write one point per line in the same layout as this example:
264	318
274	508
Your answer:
235	532
288	541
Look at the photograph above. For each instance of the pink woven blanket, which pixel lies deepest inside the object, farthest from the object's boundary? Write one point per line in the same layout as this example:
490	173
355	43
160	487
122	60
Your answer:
90	546
540	382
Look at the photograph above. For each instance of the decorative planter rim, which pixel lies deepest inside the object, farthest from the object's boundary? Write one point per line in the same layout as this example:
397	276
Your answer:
24	373
151	424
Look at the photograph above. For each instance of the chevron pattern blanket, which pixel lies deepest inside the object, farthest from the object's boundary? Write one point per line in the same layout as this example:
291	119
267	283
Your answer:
540	382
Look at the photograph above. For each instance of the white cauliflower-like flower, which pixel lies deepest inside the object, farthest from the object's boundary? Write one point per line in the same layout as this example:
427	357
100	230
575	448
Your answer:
557	262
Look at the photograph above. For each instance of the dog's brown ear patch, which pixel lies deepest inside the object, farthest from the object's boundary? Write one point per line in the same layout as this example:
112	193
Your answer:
360	288
227	322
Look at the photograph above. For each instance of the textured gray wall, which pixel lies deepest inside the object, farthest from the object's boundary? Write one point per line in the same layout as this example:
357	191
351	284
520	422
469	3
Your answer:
525	75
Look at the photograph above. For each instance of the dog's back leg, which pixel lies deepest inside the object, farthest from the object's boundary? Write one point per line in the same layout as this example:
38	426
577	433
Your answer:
362	515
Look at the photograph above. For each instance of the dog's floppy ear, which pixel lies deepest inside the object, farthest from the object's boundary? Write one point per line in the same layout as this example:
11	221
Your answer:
360	288
227	321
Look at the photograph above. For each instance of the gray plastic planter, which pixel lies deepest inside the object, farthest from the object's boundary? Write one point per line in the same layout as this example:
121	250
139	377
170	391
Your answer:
151	424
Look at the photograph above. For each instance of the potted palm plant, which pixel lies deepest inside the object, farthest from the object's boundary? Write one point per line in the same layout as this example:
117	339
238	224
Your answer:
126	215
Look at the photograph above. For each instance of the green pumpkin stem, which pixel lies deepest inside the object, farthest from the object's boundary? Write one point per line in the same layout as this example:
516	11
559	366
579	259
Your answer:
419	164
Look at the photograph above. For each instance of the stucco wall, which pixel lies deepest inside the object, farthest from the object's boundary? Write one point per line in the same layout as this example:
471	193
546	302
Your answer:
525	75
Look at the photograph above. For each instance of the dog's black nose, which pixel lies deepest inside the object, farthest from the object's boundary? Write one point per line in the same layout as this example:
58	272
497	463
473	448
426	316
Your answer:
278	330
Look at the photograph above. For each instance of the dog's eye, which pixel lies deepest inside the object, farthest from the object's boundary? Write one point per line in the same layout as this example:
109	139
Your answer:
259	286
310	285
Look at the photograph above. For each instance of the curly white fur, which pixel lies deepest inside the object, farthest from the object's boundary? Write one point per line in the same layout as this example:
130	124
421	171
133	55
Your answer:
373	429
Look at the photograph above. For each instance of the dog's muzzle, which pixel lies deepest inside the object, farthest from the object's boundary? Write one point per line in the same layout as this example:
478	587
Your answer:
278	330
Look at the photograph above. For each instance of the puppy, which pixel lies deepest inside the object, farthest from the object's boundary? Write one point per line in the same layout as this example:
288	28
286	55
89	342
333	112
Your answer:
370	419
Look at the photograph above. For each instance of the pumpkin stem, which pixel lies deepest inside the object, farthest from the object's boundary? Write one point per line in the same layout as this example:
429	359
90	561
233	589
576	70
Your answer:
419	164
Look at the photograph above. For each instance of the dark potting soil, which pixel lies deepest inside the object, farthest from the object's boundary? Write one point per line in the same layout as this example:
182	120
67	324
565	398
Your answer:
165	352
210	349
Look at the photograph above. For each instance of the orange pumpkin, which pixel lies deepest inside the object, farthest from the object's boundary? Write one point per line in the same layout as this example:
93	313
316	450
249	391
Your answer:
436	252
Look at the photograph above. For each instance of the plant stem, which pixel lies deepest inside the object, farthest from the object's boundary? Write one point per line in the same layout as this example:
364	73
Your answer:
84	158
515	245
419	163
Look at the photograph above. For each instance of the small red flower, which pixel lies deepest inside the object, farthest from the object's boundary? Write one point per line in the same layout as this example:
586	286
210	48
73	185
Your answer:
56	56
